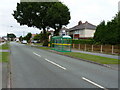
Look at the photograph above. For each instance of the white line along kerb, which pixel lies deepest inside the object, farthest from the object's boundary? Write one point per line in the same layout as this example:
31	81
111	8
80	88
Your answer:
93	83
55	64
36	54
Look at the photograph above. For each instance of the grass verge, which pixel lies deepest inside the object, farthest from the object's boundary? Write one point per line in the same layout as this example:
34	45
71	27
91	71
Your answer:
98	59
38	43
4	56
4	46
43	48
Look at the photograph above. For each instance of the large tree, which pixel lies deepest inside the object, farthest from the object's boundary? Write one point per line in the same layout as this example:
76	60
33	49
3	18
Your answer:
11	37
108	33
28	37
100	32
58	15
40	15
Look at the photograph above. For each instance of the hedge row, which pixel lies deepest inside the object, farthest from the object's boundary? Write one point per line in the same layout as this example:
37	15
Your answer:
83	41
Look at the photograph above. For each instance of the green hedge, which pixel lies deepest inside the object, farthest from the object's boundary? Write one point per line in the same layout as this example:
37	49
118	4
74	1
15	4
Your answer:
83	41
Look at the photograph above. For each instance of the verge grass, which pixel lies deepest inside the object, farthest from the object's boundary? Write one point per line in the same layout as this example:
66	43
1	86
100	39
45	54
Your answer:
98	59
4	56
43	48
4	46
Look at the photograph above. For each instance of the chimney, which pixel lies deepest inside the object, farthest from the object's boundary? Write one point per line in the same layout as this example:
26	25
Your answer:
86	22
80	22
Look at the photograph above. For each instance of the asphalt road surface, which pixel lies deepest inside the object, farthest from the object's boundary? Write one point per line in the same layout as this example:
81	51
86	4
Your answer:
35	68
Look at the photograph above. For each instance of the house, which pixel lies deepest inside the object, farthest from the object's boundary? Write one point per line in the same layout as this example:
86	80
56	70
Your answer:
51	32
1	40
82	30
63	31
33	35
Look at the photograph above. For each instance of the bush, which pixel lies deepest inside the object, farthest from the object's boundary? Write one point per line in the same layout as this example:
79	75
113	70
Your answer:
83	41
45	43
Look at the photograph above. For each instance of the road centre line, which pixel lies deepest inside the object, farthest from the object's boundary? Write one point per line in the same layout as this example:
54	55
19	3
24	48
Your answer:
36	54
51	62
56	64
93	83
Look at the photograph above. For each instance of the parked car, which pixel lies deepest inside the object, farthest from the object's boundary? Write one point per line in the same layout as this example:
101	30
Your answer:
34	41
24	42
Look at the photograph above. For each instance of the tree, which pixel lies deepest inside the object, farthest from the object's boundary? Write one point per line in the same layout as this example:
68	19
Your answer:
11	37
100	32
40	15
20	38
28	37
109	33
57	16
37	37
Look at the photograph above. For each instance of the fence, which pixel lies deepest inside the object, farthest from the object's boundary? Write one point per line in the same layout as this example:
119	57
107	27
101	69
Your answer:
113	49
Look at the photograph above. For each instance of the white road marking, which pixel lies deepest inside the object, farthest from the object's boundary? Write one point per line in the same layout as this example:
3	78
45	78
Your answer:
36	54
93	83
51	62
56	64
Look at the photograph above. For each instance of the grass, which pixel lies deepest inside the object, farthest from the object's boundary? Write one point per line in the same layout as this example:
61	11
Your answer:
44	48
38	43
98	59
4	46
4	56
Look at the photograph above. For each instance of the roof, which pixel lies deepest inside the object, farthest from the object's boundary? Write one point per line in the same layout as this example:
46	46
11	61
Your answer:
63	28
33	35
82	26
63	37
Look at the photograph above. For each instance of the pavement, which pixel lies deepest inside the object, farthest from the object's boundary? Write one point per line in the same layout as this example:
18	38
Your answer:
36	68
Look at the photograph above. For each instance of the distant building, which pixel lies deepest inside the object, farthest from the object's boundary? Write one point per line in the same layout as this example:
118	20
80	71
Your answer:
82	30
51	32
63	31
33	35
1	40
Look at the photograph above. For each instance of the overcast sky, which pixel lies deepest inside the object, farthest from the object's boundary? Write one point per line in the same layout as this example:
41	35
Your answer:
93	11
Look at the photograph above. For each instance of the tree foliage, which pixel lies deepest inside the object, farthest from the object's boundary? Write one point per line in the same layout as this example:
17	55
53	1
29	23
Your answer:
108	33
11	36
58	15
20	38
42	15
28	37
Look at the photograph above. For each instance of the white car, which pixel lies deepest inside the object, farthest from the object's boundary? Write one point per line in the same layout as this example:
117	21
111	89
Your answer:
24	42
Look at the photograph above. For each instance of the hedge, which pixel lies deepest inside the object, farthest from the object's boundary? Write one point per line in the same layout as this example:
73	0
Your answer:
83	41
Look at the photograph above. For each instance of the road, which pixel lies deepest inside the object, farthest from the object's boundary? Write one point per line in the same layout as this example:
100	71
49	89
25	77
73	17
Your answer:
35	68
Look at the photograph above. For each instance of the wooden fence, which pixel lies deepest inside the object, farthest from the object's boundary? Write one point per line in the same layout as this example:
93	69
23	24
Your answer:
112	49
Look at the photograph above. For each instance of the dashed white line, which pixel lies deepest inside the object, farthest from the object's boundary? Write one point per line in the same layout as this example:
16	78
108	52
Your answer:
93	83
51	62
56	64
36	54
